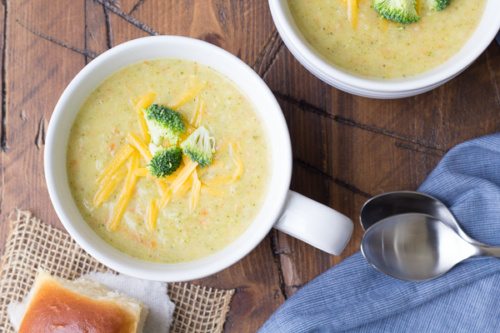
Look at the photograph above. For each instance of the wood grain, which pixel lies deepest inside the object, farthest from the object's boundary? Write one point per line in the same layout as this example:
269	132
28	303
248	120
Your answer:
3	117
36	72
345	148
372	146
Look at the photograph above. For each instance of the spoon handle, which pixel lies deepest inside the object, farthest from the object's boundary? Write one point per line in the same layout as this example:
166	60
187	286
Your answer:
489	251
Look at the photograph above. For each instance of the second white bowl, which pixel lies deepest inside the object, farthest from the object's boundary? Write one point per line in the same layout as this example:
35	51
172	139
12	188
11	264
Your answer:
384	88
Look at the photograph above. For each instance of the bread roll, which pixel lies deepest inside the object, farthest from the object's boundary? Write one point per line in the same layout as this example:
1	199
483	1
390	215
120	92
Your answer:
58	305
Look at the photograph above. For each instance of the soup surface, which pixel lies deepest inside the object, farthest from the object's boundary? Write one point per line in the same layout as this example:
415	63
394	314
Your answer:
378	48
232	187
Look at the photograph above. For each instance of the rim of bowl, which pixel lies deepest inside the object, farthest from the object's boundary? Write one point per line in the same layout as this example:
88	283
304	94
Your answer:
368	86
189	270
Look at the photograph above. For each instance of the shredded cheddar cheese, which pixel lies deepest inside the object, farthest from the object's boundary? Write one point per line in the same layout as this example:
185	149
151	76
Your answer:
384	24
118	212
185	187
143	126
198	114
183	181
144	102
125	195
218	181
141	172
191	93
352	12
237	162
108	187
216	164
165	199
238	171
195	113
183	176
162	187
152	215
195	192
417	6
211	191
116	162
141	147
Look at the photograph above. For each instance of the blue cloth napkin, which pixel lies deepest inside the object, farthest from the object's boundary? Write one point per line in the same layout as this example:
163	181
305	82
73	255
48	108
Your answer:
354	297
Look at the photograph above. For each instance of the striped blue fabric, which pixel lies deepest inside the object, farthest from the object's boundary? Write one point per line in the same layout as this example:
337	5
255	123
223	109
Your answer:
354	297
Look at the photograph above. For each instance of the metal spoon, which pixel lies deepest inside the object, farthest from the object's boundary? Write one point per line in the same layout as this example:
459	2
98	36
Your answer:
417	247
402	202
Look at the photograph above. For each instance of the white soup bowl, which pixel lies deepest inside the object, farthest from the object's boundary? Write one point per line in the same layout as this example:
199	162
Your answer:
286	210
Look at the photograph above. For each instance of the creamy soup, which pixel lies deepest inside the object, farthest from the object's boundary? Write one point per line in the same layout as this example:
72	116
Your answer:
378	48
227	194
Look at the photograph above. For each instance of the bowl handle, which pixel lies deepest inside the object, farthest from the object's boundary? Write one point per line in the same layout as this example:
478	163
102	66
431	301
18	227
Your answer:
315	224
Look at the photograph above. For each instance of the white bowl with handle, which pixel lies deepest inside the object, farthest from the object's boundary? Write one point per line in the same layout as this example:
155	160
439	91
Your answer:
384	88
288	211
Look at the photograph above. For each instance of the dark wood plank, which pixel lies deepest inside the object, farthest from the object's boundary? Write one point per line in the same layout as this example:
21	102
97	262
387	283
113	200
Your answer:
43	54
97	38
357	147
3	114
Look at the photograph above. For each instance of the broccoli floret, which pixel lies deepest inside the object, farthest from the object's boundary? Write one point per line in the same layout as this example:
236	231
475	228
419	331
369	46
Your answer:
199	146
438	4
165	162
401	11
164	123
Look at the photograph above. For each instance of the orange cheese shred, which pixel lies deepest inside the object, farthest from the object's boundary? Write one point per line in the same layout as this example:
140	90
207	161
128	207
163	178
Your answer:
138	144
198	114
384	24
190	94
146	100
238	171
218	181
237	162
125	195
352	12
185	187
211	191
183	175
141	172
152	215
143	126
143	103
116	162
162	186
165	199
108	187
195	192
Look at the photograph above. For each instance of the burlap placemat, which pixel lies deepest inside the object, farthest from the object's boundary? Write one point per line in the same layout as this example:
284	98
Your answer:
32	244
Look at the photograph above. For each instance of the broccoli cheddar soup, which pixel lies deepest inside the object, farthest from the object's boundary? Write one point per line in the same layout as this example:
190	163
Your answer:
167	161
387	39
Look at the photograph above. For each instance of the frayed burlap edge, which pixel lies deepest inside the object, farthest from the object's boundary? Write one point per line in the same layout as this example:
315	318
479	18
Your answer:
32	244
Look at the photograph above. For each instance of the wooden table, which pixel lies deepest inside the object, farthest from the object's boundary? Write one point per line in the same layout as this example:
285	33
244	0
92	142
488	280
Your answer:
345	148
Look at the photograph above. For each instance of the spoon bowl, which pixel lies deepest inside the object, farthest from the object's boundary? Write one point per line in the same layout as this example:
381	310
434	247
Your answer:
415	246
402	202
